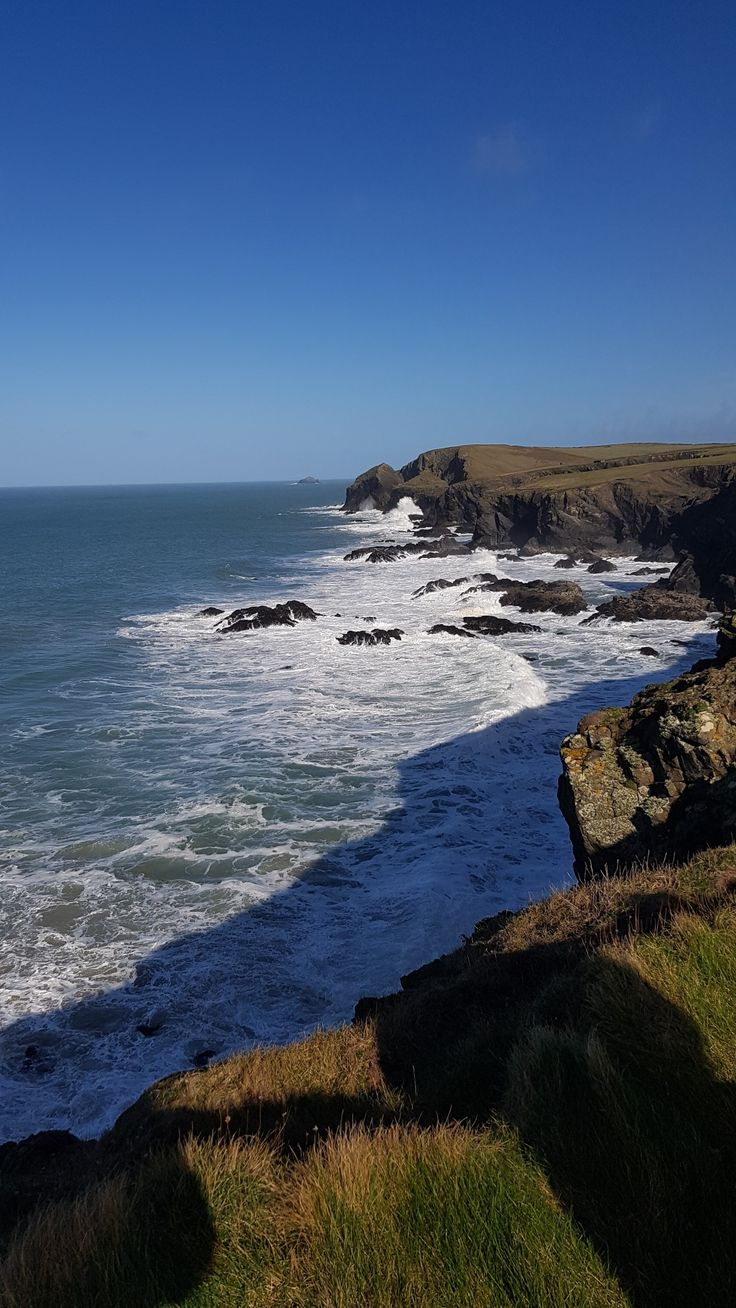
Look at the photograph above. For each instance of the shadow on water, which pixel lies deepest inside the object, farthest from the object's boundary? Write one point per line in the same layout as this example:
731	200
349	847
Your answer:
622	1218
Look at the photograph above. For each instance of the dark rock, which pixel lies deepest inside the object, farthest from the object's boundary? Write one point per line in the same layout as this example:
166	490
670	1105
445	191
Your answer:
261	615
203	1058
439	584
727	637
649	572
148	1028
568	562
602	565
654	604
210	612
487	624
563	597
651	653
379	636
441	628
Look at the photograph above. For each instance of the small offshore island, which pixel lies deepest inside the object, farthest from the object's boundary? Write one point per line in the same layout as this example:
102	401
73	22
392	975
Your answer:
563	1080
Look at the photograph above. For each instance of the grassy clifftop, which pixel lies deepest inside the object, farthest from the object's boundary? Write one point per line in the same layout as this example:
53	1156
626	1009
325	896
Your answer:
543	1118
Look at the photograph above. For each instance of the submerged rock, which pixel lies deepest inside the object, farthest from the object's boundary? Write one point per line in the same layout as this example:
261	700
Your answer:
379	636
568	562
210	612
439	584
487	624
442	628
563	597
262	615
649	651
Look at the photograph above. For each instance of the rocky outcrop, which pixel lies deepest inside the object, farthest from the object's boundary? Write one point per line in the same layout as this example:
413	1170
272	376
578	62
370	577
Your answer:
564	597
262	615
653	604
379	636
487	624
210	612
374	488
601	565
656	780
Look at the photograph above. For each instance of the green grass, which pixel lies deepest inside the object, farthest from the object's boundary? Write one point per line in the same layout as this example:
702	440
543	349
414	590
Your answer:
547	1119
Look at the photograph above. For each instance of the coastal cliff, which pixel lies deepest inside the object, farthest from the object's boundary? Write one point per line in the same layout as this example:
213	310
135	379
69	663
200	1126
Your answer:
660	500
655	780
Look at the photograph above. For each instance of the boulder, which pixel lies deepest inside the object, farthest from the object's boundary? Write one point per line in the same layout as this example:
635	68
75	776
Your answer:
210	612
568	562
656	780
563	597
379	636
487	624
649	572
602	565
649	652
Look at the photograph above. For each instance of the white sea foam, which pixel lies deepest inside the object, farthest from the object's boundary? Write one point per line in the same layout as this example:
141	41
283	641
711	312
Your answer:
334	817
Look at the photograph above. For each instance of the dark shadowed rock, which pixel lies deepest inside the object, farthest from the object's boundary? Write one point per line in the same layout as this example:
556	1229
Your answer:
210	612
441	628
258	616
649	572
649	651
379	636
563	597
602	565
487	624
568	562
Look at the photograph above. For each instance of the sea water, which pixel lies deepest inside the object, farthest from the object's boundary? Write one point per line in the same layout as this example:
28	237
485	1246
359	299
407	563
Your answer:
212	841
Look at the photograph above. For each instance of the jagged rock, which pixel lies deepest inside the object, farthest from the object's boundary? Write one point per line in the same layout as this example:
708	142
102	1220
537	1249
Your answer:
653	604
210	612
379	636
602	565
487	624
261	615
568	562
563	597
441	628
649	572
655	780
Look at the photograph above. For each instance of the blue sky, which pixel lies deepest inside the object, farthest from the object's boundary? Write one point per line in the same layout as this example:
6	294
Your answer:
260	240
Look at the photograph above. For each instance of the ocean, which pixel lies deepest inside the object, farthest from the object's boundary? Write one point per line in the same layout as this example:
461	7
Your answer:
208	842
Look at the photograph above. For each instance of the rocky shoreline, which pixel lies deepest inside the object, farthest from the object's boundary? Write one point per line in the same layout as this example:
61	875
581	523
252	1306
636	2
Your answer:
651	781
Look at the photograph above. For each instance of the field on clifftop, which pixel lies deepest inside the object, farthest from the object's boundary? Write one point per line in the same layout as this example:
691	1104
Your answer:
545	1117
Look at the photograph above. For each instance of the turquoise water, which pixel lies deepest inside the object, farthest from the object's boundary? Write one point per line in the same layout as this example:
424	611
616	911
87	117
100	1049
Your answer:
231	839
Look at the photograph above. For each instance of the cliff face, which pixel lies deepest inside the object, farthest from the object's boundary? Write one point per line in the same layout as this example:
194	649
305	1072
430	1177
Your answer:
610	499
655	780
